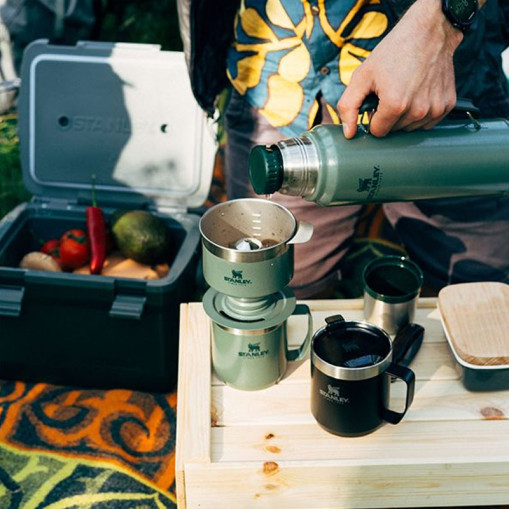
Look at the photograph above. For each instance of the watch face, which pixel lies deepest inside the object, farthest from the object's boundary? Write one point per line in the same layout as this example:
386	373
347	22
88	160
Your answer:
462	10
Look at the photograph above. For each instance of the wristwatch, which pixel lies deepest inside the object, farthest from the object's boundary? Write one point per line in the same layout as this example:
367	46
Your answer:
461	13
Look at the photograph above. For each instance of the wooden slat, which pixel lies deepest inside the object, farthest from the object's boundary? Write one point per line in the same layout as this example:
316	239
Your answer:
428	441
353	484
193	404
289	404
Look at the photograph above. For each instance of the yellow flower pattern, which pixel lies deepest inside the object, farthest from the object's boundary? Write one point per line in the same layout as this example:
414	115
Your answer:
288	52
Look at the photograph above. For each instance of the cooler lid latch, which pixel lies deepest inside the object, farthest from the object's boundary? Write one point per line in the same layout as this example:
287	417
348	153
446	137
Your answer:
11	298
128	306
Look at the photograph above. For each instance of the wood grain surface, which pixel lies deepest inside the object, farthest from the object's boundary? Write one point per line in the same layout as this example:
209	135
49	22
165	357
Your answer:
476	317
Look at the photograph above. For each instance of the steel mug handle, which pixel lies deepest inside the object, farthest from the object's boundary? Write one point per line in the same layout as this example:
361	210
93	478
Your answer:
297	354
303	234
408	376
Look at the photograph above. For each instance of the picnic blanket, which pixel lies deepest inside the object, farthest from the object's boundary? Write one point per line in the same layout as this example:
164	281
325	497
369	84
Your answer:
64	447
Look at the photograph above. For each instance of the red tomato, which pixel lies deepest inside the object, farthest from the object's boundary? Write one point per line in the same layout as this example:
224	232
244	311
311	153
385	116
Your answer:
52	248
74	249
75	234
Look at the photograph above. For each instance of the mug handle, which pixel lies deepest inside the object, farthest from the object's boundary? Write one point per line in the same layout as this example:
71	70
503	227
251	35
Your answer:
298	354
408	376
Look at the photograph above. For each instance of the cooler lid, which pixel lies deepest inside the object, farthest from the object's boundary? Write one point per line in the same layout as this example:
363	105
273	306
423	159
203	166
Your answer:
122	112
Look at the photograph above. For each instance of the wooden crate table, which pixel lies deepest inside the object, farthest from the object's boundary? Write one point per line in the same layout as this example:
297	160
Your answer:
238	449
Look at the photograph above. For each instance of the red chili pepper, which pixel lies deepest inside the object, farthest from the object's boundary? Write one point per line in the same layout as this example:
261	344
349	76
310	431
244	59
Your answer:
96	228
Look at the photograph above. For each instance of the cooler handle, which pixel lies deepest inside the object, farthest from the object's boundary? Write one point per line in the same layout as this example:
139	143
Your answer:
128	306
11	299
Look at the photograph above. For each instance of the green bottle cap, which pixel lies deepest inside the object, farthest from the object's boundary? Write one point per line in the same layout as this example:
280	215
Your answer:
265	169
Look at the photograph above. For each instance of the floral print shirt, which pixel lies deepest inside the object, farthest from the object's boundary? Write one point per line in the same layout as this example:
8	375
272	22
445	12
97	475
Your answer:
288	53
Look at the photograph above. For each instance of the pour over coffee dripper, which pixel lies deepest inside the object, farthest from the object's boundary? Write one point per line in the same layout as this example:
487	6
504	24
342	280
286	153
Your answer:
248	246
248	263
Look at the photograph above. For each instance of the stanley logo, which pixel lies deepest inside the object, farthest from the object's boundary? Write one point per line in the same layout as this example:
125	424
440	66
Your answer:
364	185
333	394
107	125
254	351
371	185
237	278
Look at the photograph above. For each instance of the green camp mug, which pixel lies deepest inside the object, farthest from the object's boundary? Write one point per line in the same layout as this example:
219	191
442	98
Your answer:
254	357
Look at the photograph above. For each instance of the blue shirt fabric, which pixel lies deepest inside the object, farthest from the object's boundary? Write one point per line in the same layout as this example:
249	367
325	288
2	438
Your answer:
288	53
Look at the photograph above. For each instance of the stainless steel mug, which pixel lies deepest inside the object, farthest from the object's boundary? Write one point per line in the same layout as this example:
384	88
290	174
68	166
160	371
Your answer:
254	355
351	370
392	285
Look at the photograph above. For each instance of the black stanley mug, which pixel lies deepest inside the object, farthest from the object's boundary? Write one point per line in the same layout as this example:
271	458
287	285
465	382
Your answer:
351	370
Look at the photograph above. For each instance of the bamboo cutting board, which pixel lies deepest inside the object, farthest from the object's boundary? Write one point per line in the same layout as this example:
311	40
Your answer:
476	319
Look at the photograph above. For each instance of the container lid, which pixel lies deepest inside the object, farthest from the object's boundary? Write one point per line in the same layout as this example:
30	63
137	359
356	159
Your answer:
122	112
475	317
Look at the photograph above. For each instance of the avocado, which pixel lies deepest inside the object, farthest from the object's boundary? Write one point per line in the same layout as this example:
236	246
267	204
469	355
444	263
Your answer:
116	216
142	236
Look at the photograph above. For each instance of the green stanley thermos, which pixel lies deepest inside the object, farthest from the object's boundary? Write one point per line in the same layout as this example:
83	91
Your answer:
454	159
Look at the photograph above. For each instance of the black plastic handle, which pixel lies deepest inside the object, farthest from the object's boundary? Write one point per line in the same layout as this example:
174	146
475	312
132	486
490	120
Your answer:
461	109
408	376
406	344
370	104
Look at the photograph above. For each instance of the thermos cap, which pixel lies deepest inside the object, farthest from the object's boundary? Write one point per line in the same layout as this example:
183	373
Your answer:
265	169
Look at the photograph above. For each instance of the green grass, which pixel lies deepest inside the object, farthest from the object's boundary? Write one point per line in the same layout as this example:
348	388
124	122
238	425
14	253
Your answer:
12	190
150	22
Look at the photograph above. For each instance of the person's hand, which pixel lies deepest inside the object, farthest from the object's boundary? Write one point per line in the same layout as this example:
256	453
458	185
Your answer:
411	71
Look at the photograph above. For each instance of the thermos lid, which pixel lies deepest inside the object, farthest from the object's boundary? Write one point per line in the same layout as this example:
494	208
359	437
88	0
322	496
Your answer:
265	169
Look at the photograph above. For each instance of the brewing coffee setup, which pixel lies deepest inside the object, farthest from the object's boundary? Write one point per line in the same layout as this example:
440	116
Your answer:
352	361
248	263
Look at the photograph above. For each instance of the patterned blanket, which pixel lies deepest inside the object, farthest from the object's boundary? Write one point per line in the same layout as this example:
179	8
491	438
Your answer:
63	447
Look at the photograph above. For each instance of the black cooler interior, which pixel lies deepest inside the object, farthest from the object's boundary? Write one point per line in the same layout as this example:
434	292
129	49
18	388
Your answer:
93	330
